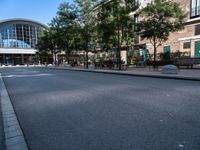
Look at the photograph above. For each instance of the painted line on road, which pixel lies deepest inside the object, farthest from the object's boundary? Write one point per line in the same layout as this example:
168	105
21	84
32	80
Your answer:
14	138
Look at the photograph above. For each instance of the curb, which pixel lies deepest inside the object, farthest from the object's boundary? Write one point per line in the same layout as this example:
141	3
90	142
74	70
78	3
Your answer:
130	74
14	138
2	136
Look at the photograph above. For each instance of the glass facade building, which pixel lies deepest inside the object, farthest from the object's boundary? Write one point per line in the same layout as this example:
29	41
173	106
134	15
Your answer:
18	39
19	34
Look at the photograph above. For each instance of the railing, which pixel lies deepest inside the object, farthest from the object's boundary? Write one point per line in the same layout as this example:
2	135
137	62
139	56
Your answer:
187	62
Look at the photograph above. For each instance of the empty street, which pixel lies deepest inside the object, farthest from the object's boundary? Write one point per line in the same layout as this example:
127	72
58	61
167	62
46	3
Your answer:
74	110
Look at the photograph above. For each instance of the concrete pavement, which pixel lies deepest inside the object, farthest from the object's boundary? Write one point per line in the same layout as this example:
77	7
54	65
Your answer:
62	109
14	138
183	74
2	138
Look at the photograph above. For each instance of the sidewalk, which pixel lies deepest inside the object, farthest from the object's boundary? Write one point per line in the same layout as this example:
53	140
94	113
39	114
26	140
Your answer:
12	137
2	145
184	74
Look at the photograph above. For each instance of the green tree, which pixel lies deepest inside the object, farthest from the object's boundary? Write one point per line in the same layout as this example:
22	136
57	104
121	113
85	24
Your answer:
159	19
42	49
47	44
105	26
63	34
115	24
55	36
87	23
70	27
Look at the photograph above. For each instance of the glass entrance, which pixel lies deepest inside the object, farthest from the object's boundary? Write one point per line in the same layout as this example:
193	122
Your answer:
9	60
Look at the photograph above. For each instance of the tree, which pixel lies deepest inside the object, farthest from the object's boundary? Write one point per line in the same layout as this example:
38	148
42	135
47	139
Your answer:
69	30
42	50
105	26
87	23
55	36
47	44
159	18
115	25
63	33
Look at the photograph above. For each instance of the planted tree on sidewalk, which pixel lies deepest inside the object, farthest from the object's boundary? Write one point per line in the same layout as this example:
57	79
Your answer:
87	23
158	19
115	24
70	27
63	32
47	44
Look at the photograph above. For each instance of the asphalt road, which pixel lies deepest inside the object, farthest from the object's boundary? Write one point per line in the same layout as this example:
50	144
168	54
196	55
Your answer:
70	110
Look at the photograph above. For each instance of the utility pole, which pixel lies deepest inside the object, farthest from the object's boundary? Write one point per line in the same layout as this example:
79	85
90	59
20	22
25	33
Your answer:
86	44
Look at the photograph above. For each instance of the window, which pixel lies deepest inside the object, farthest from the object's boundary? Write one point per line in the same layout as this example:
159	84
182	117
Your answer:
136	22
20	35
194	8
186	45
137	4
197	29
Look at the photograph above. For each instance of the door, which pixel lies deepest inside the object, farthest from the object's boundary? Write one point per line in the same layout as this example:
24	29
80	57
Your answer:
166	49
166	52
197	49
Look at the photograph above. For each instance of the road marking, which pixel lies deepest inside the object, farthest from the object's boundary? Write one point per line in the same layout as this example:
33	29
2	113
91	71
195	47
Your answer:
180	145
14	137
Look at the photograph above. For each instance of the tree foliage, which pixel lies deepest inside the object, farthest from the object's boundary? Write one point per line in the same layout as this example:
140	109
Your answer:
109	24
47	43
63	32
87	23
115	24
70	27
159	19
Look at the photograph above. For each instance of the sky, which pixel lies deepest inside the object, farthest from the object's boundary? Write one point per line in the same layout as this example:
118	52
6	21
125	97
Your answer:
38	10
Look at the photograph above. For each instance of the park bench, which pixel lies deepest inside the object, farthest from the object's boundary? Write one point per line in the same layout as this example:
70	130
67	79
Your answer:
189	62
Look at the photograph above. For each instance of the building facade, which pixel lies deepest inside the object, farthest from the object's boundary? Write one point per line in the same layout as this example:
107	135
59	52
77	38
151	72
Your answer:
18	39
186	41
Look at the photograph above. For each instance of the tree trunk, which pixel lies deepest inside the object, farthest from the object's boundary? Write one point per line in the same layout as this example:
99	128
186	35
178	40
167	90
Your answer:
68	54
118	39
54	59
87	58
154	55
47	59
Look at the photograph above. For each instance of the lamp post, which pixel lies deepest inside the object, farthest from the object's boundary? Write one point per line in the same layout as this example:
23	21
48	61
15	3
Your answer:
190	48
118	40
86	47
86	44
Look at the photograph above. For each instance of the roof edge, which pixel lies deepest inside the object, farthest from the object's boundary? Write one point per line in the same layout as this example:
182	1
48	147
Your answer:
22	19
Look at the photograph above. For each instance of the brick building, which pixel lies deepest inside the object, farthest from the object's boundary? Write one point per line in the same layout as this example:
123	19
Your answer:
186	41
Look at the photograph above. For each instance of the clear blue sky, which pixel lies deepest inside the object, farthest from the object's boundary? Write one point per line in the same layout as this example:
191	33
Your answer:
38	10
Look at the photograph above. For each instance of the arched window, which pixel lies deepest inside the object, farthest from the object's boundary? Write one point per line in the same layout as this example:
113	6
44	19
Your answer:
19	34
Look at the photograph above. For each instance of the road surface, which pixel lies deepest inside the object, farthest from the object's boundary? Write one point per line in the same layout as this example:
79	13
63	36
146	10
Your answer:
71	110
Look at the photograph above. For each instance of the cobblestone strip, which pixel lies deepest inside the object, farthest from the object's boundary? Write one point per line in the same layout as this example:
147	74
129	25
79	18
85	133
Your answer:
14	137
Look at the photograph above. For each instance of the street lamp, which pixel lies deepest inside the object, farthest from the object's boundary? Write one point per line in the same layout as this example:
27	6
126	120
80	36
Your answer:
86	44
